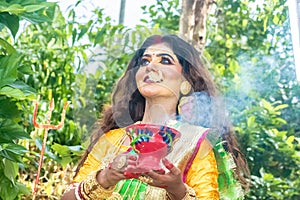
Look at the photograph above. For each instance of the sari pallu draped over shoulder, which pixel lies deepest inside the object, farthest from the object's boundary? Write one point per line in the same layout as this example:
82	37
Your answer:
192	154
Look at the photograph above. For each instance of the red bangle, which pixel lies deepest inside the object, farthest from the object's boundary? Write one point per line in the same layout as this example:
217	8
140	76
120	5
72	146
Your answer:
79	191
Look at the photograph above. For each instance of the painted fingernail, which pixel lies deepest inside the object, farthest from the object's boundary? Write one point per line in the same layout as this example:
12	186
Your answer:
133	157
169	166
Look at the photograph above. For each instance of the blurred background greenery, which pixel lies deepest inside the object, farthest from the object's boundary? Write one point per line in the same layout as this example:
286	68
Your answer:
248	50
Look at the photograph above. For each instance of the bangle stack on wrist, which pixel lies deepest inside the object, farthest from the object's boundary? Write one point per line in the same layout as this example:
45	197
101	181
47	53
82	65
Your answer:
190	194
91	189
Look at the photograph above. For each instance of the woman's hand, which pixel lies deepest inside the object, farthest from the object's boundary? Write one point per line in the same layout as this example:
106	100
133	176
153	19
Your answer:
111	175
171	181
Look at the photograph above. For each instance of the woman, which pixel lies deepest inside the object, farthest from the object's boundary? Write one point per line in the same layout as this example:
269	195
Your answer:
160	75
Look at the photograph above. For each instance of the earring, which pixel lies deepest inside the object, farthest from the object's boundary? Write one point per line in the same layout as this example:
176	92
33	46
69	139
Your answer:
185	87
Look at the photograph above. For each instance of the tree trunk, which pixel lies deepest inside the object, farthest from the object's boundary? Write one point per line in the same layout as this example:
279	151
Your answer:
122	11
192	25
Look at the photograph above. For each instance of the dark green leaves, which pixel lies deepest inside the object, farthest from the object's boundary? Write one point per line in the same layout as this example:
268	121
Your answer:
10	130
33	11
11	21
8	69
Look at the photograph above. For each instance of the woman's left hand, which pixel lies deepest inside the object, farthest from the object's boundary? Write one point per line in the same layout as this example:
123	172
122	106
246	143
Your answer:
171	181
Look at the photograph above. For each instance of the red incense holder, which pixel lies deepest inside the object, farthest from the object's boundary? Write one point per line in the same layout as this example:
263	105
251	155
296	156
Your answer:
151	142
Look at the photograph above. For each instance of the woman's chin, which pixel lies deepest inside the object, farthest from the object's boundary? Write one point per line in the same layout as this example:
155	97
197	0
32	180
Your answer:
149	92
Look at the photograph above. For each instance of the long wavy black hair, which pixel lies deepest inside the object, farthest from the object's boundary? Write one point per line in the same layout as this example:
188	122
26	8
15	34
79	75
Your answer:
128	105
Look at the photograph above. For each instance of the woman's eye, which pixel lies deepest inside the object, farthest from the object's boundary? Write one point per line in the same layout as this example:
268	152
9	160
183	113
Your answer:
144	62
166	61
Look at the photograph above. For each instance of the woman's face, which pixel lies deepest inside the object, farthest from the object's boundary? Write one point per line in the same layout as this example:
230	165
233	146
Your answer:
160	73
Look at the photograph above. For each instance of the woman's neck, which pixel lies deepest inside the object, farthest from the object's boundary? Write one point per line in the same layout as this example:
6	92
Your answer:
159	111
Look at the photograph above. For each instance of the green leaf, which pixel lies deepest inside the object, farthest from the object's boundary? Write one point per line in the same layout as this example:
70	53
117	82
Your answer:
9	109
25	70
48	153
11	21
10	130
265	23
61	149
10	170
74	34
99	36
290	141
9	48
33	8
280	107
7	191
14	8
267	105
26	89
66	160
8	69
22	188
268	176
11	156
244	23
66	153
276	19
14	148
251	121
234	66
42	15
12	92
229	43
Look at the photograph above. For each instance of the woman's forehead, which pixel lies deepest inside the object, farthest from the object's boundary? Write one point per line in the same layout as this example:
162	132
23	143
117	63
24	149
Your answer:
159	49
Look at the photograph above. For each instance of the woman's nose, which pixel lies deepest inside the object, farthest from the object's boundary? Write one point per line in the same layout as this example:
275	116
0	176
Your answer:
151	67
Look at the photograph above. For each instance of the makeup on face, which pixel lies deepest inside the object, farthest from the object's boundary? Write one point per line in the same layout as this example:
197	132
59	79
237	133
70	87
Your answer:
159	73
162	58
157	57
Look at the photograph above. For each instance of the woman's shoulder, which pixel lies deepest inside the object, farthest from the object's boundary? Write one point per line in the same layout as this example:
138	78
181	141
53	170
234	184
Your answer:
109	138
114	133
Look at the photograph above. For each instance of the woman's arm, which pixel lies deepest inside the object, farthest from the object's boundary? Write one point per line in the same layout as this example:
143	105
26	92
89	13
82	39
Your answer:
105	178
69	195
99	184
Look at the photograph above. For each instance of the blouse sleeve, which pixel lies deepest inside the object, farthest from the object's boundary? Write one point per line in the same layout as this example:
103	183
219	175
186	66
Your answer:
203	173
102	153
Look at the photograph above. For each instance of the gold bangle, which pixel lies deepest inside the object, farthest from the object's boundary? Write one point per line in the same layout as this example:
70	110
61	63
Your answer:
190	194
94	190
115	196
83	192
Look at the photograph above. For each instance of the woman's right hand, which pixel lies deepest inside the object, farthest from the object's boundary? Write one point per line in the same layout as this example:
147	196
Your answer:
115	171
109	177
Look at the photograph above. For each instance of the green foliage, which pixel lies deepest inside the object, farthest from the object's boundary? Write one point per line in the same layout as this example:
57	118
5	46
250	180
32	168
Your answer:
57	58
249	52
273	153
165	14
11	12
14	92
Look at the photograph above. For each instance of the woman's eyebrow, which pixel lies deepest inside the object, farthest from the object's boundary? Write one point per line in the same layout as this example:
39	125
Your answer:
147	55
165	54
160	55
